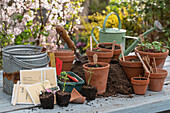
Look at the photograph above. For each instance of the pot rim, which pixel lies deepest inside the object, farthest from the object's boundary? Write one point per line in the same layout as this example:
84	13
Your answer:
109	43
129	63
161	74
149	53
140	82
99	68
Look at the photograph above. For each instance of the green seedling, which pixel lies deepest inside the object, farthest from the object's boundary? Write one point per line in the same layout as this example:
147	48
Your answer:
90	71
140	77
133	61
156	46
64	76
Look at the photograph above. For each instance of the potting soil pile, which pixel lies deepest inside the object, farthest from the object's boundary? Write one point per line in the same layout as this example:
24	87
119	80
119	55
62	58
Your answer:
117	80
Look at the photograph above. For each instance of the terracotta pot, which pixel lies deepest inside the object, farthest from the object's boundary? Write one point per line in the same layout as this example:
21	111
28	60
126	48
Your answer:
132	69
157	80
62	52
159	57
140	86
104	56
116	52
67	62
76	97
99	76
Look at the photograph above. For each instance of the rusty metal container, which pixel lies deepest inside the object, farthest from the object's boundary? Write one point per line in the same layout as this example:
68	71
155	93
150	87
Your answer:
19	57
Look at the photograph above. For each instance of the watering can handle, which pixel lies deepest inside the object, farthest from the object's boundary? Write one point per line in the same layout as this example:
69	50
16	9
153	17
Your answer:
105	20
93	34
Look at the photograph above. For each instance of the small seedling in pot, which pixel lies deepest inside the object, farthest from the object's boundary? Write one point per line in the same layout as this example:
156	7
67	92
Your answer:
87	90
62	97
47	97
65	78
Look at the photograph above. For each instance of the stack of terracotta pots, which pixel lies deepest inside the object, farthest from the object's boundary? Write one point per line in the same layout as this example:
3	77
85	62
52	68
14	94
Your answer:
67	57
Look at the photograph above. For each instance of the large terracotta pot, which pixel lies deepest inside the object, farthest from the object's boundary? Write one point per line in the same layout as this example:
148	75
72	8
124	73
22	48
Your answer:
103	55
139	85
67	62
157	80
159	57
116	51
99	75
132	69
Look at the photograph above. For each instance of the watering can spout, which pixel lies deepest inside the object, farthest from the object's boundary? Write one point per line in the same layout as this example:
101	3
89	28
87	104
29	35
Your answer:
157	27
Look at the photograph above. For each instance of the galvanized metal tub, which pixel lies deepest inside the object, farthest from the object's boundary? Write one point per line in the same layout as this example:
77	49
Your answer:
19	57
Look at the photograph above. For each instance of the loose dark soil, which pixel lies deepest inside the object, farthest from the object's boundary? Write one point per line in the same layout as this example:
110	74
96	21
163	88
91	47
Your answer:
97	50
89	92
134	59
117	81
139	79
108	46
94	65
47	101
62	98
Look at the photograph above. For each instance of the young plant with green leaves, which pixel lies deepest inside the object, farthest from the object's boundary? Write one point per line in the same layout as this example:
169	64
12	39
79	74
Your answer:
90	71
63	76
155	47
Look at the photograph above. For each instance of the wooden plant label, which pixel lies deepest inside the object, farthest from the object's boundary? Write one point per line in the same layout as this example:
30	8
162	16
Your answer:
141	38
91	48
52	58
95	57
34	90
31	76
22	96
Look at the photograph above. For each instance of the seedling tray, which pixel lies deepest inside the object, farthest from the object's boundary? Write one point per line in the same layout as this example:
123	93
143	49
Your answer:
71	85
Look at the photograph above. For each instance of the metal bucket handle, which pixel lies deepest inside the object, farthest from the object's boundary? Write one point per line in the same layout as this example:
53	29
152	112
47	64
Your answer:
104	23
27	65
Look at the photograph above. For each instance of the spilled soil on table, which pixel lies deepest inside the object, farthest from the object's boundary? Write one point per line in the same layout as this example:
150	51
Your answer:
117	81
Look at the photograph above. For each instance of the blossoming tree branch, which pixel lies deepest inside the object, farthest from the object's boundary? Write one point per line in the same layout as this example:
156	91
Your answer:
34	21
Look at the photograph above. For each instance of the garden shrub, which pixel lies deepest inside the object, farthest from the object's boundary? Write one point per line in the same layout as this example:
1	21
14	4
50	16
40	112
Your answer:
136	16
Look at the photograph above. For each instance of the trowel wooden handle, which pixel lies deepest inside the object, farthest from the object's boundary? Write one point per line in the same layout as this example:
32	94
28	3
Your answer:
66	38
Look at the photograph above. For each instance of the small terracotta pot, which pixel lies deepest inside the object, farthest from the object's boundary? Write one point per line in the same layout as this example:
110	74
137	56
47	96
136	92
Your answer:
67	62
157	80
140	86
99	76
132	69
159	57
116	52
104	56
76	97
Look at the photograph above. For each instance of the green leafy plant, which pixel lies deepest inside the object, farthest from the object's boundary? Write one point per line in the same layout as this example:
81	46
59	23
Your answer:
155	46
133	61
90	71
63	75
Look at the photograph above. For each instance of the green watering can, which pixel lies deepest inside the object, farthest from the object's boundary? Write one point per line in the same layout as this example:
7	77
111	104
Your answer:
118	34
